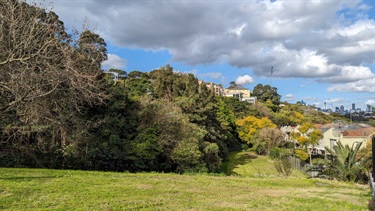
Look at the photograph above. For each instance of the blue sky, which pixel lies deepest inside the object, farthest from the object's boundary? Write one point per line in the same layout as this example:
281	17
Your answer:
320	51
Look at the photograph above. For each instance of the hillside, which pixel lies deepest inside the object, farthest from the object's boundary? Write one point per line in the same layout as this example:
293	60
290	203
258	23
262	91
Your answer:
41	189
248	164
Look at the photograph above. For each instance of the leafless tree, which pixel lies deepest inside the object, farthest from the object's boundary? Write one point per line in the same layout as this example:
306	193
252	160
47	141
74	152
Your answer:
271	137
45	77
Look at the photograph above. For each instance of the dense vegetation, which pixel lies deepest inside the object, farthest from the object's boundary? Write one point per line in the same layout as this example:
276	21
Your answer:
58	109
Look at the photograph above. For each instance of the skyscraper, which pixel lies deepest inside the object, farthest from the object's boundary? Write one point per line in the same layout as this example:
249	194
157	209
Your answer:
353	106
342	109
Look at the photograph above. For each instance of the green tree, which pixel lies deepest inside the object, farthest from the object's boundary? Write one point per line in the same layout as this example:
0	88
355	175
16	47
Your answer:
201	106
264	93
176	136
163	80
233	85
93	46
138	84
310	137
289	115
345	165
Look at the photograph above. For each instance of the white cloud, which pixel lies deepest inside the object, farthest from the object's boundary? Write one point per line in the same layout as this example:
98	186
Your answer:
365	85
114	61
289	97
364	7
334	100
348	74
245	79
305	39
370	102
211	75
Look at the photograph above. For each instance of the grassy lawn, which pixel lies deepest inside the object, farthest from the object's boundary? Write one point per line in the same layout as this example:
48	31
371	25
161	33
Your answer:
42	189
249	164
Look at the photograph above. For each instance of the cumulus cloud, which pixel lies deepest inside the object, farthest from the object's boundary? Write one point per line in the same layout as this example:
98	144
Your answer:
370	102
289	97
365	85
114	61
308	39
245	79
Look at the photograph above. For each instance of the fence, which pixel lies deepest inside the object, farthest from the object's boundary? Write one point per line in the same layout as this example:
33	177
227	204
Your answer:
298	164
303	166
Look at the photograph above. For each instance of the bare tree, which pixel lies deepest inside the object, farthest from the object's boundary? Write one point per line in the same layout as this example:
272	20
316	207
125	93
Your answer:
44	76
271	137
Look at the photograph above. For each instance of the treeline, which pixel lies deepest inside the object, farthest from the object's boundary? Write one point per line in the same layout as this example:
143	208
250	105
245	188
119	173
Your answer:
59	110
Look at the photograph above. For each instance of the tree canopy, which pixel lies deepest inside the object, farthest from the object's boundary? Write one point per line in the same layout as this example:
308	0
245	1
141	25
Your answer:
265	93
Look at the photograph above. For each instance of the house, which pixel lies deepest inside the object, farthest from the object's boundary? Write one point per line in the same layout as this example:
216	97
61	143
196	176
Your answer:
241	93
250	100
216	88
353	137
347	136
112	75
245	93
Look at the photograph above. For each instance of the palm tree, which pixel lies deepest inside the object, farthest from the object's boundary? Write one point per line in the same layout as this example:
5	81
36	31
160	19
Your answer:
344	165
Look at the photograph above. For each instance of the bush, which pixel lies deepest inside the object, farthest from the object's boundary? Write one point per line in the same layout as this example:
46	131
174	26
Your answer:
244	147
275	153
301	154
284	166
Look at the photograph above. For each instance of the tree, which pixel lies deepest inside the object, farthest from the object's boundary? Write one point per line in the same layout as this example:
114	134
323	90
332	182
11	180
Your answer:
310	136
344	166
45	79
177	139
288	115
138	84
232	85
94	47
270	137
163	80
248	130
202	107
264	93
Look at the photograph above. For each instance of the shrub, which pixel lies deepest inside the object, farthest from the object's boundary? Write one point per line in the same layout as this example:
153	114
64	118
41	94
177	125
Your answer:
301	154
284	166
275	153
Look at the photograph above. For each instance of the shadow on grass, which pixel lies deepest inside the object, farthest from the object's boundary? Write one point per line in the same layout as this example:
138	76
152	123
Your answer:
238	158
371	205
26	178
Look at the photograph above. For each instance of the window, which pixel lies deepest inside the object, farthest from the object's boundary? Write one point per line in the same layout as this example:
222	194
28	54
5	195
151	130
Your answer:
332	143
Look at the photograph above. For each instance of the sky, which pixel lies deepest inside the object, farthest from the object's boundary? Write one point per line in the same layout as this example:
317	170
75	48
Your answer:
318	51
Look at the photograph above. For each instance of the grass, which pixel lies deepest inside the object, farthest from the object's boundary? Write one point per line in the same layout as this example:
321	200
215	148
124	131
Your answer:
43	189
249	164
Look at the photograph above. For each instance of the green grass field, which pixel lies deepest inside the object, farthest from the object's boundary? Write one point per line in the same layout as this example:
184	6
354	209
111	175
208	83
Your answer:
249	164
42	189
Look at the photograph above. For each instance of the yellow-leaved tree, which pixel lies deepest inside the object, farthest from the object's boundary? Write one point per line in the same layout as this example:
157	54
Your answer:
249	129
310	137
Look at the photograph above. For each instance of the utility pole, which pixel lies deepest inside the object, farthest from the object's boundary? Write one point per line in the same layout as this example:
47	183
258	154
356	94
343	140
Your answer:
271	76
